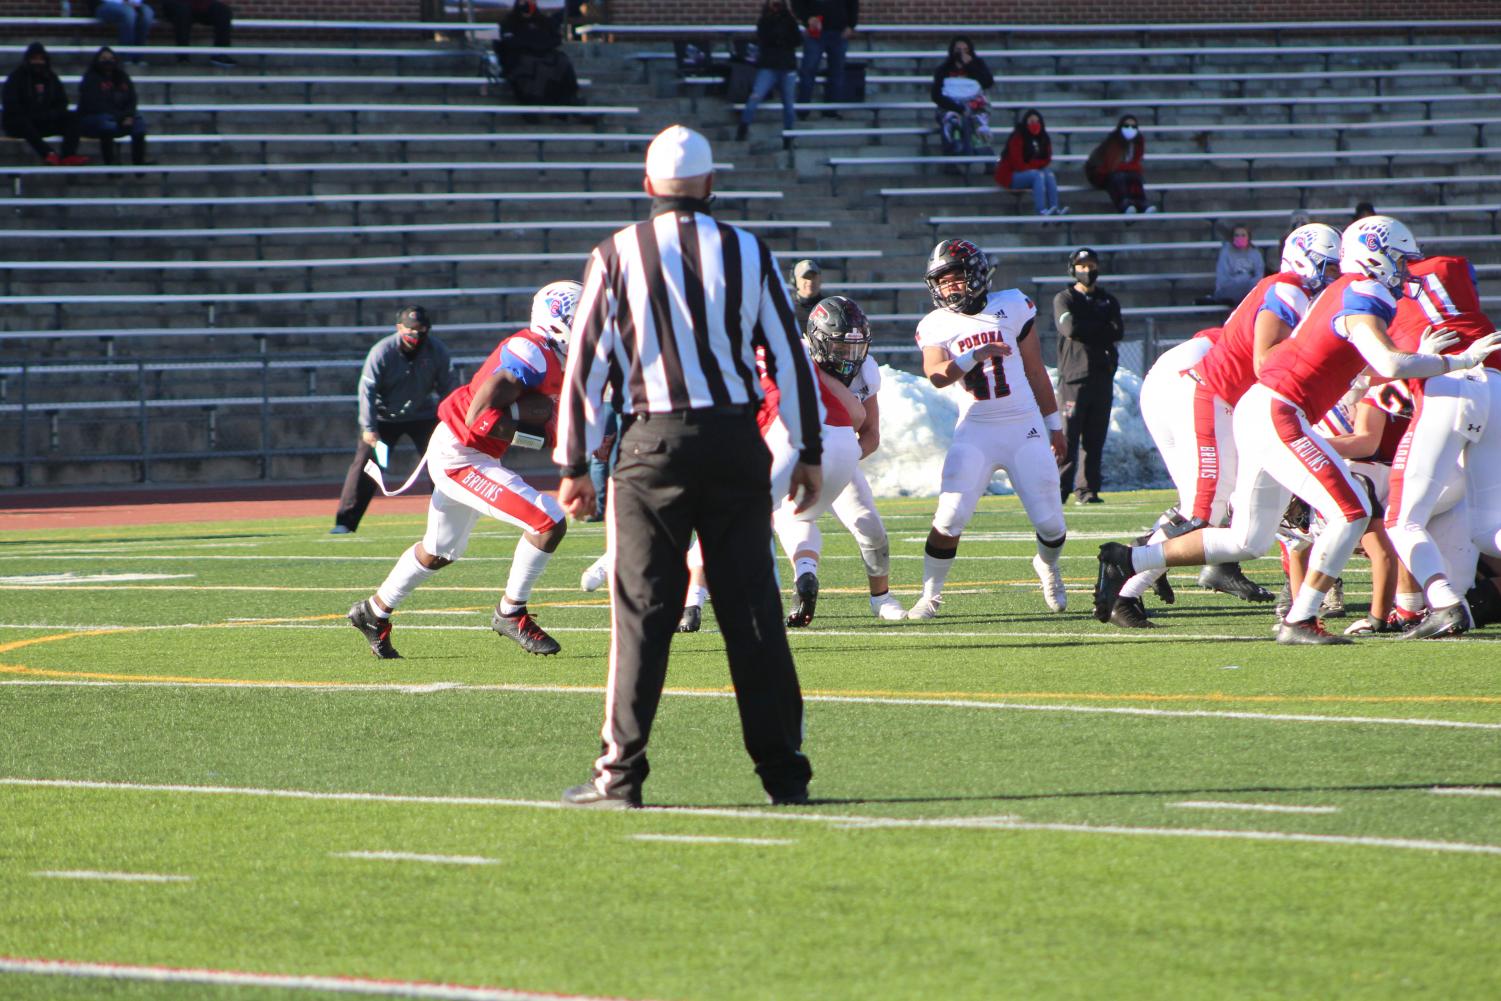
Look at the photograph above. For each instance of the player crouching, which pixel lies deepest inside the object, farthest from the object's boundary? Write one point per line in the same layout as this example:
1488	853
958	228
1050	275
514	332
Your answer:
510	401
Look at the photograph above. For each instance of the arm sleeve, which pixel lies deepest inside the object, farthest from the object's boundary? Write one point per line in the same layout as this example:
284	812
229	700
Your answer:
581	409
788	363
1224	269
1117	324
982	73
1063	319
369	388
1392	364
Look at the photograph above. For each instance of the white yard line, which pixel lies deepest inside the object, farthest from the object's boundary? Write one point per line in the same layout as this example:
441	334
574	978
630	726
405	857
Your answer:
837	821
118	877
694	839
1487	791
1199	804
282	981
418	857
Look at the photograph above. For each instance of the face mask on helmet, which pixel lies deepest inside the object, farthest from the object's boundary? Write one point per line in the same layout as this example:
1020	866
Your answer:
958	276
838	337
552	313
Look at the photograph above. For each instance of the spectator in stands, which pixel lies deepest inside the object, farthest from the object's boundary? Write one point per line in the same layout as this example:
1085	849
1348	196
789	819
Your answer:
36	106
829	25
133	19
1024	163
186	13
1299	217
777	36
1239	268
531	56
1115	166
807	290
107	107
959	85
1362	210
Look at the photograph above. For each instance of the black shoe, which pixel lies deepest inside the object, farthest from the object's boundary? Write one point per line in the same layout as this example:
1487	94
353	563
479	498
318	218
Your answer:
589	797
1163	588
795	797
1451	621
1115	570
375	629
807	600
787	144
522	628
1130	613
1308	632
692	620
741	131
1227	578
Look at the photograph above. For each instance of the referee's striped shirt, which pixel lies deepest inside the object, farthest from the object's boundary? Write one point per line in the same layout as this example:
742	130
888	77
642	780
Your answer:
671	314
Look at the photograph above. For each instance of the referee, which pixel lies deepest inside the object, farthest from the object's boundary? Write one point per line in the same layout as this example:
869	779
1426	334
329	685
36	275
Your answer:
673	312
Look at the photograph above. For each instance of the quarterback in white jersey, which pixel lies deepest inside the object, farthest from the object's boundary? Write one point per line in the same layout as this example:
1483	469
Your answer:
1008	414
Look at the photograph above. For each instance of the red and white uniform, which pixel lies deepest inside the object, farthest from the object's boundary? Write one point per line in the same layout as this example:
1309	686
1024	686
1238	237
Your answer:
1000	425
1170	399
1452	452
465	464
1220	379
1280	453
841	463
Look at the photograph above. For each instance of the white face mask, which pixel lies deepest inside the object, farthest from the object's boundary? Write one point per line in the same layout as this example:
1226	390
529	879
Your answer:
1128	134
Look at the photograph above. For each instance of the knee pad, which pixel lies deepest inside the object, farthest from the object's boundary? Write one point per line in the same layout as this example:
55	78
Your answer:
954	512
877	559
1052	527
1056	542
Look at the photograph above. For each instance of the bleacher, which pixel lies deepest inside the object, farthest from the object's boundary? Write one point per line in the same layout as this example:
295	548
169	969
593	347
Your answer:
209	313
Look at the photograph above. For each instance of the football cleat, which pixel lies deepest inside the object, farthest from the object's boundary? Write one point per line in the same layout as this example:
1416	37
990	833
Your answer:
522	628
886	607
1451	621
1334	602
1163	588
1130	613
375	629
1401	620
1115	570
595	577
692	620
926	608
589	797
1307	632
1227	578
807	600
1052	584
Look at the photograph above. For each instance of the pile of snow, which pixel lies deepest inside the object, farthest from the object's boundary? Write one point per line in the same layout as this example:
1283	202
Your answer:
917	424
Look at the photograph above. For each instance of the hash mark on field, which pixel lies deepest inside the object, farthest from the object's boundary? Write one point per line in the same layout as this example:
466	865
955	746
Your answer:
1466	791
694	839
417	857
1199	804
119	877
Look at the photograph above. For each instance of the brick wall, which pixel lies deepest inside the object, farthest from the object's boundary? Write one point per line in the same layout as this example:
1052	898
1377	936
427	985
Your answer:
365	10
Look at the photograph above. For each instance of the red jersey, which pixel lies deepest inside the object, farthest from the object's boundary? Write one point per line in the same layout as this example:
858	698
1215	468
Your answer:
531	359
835	416
1443	292
1229	369
1315	366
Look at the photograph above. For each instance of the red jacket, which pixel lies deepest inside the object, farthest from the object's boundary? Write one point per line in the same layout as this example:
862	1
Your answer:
1013	160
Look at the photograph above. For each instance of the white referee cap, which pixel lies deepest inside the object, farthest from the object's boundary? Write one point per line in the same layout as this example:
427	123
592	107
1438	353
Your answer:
678	152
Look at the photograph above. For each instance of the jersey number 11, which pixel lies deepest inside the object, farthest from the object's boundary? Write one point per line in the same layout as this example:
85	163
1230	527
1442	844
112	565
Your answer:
982	388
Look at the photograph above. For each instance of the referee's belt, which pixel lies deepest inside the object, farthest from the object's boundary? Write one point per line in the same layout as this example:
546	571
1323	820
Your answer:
699	414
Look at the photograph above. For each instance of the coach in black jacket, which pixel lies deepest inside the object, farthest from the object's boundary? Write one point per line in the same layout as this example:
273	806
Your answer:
1088	320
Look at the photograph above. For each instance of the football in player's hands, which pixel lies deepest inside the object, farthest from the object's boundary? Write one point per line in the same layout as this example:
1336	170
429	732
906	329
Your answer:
531	410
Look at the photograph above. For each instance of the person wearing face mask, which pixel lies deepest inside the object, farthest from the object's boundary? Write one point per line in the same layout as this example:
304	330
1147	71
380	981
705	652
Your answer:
807	290
405	375
1239	268
531	56
36	106
1088	320
1024	163
959	86
107	107
1115	167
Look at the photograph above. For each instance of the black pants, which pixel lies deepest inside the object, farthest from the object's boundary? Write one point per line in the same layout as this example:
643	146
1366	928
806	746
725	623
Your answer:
35	131
1086	420
359	488
710	472
1125	190
183	16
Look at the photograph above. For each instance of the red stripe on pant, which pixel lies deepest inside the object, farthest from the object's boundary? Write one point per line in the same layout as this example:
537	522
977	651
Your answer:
1206	451
1324	466
1399	466
472	481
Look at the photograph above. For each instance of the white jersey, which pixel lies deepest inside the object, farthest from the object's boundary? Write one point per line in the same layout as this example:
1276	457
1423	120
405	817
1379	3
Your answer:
995	389
867	381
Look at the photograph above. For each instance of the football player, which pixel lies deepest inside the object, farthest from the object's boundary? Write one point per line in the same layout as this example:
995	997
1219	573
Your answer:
511	400
1280	454
1008	414
1188	396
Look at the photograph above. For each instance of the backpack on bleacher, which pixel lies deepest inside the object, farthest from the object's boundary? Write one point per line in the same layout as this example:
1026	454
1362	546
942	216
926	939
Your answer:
695	57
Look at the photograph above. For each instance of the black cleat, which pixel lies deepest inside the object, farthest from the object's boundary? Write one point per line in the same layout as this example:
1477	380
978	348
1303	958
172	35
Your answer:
692	620
375	629
1451	621
522	628
589	797
1130	613
1227	578
1307	632
1163	588
807	600
1115	570
793	797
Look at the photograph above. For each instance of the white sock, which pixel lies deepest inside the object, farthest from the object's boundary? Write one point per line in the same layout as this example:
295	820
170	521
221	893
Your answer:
935	570
1410	601
1141	583
1306	604
1441	594
401	581
1048	553
526	566
1148	558
802	565
696	597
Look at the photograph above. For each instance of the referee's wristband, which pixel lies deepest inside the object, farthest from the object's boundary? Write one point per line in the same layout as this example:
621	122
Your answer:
1053	421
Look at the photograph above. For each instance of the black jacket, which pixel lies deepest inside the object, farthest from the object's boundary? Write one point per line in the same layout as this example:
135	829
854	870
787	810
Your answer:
33	92
975	69
110	96
1089	327
837	14
777	39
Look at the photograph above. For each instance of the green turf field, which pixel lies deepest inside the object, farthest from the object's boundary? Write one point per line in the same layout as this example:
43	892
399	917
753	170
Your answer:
1007	802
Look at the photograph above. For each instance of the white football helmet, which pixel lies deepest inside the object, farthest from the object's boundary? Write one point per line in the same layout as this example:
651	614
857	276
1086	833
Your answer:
1378	247
1306	252
552	313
